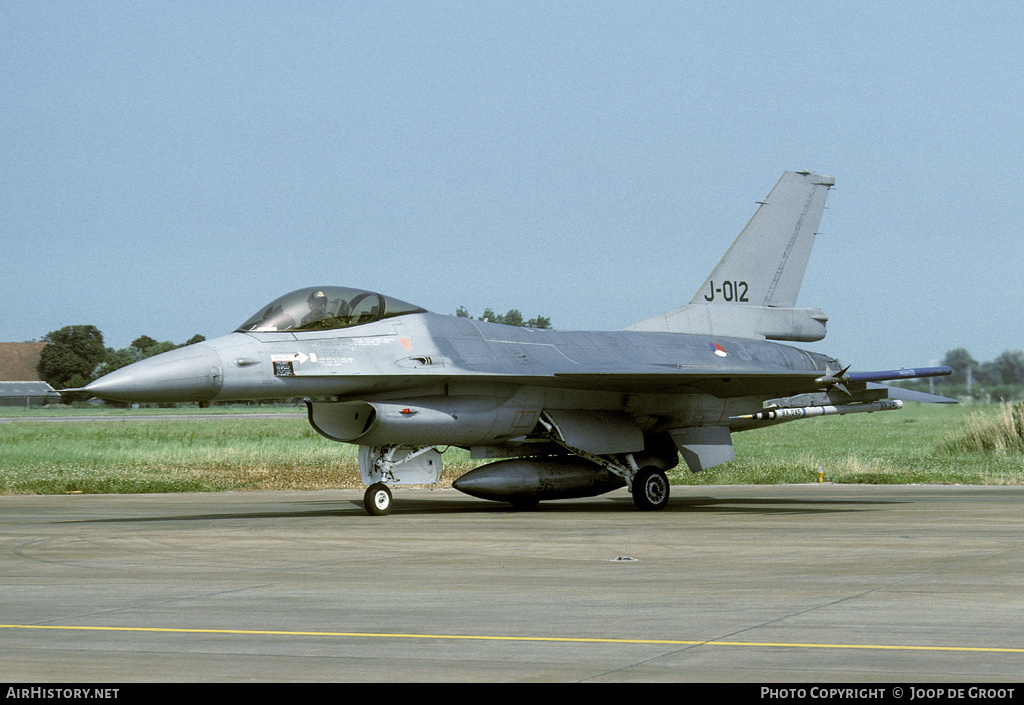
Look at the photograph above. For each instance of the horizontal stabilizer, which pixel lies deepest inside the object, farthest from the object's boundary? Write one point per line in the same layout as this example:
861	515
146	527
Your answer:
911	395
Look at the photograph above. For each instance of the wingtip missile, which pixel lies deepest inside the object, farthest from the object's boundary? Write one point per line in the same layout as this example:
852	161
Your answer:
912	373
844	377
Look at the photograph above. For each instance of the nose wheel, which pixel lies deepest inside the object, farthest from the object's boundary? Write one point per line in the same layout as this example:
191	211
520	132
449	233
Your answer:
377	499
650	489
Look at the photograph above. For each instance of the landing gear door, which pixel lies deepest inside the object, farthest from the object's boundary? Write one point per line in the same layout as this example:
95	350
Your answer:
400	465
704	447
598	432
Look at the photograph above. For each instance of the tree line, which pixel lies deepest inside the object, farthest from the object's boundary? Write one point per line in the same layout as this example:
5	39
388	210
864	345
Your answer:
1000	379
512	318
76	355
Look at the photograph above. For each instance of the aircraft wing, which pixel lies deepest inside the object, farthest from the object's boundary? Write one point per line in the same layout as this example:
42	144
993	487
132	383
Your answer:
726	382
722	382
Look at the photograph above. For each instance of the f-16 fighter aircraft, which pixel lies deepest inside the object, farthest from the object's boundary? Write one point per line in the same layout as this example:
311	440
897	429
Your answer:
559	414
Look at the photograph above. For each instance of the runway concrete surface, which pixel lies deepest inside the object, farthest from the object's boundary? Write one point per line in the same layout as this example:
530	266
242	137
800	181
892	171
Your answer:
808	583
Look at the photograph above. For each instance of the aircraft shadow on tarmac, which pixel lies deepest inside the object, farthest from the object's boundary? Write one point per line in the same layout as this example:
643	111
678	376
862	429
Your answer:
441	506
708	504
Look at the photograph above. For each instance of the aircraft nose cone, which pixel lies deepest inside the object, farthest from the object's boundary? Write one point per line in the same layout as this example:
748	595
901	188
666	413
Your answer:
192	373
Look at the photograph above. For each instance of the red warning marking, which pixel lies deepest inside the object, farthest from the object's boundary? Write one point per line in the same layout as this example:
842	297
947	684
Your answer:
406	342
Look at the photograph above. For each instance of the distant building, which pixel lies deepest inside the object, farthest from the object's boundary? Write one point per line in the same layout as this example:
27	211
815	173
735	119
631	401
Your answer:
19	380
27	394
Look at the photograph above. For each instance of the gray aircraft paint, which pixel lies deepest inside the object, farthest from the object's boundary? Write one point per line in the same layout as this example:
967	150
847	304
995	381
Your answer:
399	381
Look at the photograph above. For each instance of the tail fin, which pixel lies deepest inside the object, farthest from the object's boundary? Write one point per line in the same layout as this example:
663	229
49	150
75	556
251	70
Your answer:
765	265
752	292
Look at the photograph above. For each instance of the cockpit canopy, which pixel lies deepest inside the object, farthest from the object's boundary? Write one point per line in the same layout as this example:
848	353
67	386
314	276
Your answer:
325	308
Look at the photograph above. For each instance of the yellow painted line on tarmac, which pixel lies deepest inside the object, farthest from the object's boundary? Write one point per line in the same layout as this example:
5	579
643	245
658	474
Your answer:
484	637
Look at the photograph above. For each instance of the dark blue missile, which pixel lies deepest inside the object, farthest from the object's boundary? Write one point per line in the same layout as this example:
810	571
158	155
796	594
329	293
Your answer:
527	481
843	378
913	373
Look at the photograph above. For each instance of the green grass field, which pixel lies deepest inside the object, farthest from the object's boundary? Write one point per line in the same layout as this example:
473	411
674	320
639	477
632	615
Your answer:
920	444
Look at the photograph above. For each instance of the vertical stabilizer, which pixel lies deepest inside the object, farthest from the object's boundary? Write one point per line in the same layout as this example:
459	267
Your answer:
752	292
765	265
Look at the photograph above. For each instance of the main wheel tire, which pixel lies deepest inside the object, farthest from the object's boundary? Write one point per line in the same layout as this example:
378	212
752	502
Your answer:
650	489
377	499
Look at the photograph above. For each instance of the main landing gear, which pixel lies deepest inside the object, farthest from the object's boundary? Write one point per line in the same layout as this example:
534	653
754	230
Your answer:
648	484
650	489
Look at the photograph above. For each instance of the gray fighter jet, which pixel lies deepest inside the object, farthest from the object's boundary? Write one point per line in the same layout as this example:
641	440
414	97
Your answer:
560	414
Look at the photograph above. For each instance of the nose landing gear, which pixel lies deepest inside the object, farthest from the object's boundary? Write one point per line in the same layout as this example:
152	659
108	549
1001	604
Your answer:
377	499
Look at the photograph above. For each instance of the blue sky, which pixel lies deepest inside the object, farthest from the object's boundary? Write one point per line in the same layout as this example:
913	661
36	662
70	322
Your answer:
168	168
